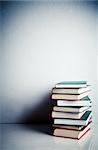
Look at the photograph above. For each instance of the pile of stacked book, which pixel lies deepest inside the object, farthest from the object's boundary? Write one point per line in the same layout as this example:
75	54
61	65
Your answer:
72	113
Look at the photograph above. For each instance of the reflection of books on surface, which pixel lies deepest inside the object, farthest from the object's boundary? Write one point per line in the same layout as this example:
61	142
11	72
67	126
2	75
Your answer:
72	114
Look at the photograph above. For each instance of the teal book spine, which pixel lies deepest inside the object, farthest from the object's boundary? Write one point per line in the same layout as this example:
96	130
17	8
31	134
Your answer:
73	82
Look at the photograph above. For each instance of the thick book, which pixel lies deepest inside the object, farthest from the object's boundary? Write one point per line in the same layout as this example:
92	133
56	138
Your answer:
67	133
80	144
86	101
71	90
74	109
83	121
70	96
65	115
71	84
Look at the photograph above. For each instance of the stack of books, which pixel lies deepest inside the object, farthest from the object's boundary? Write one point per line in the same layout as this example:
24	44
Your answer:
72	113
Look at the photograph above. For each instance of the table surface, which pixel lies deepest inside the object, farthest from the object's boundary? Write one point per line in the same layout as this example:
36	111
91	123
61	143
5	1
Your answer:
37	137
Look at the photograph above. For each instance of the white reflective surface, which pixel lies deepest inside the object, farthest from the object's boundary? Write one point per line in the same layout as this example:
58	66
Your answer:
36	137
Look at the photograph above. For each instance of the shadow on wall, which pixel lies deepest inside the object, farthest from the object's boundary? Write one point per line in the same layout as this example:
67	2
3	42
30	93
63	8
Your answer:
41	113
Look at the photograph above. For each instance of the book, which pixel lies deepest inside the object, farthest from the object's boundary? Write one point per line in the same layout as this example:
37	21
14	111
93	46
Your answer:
71	84
56	114
73	109
84	102
70	96
71	127
71	90
71	133
80	144
83	121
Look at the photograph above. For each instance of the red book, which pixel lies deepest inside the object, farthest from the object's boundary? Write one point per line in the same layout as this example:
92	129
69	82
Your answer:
74	134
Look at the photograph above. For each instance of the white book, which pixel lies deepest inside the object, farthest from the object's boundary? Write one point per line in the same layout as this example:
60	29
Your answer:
71	86
70	96
71	90
56	114
74	103
74	109
70	127
83	121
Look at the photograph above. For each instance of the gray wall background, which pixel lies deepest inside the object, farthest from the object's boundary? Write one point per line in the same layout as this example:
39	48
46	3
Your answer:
44	43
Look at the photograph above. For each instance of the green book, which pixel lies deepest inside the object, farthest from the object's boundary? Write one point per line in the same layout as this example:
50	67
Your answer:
83	121
86	98
85	116
71	84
